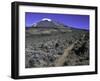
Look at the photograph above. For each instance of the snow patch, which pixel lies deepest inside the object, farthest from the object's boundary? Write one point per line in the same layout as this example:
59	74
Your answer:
46	19
35	24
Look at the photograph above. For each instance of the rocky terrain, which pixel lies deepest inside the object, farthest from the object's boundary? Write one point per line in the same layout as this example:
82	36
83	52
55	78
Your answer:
55	45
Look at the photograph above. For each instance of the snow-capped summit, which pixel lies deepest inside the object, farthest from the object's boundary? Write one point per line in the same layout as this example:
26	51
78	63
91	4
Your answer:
46	22
46	19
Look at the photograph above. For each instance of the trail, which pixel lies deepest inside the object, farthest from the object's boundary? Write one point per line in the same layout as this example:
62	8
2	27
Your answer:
60	61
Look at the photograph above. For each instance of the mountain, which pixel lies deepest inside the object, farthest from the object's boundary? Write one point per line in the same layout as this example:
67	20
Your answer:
48	26
46	22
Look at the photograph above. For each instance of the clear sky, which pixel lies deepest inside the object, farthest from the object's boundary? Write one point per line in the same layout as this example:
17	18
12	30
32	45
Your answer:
76	21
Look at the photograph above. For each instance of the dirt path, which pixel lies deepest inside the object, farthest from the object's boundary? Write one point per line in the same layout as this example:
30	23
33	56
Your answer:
60	61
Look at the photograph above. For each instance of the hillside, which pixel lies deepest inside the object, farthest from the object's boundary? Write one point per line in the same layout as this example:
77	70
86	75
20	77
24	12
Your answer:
47	46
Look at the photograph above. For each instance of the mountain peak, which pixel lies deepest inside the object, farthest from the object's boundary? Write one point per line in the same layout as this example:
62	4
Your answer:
49	23
46	19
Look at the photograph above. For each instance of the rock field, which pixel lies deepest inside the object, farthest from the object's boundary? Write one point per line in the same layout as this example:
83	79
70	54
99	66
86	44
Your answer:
49	50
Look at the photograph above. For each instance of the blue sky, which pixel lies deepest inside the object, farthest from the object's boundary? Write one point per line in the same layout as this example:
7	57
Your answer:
75	21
